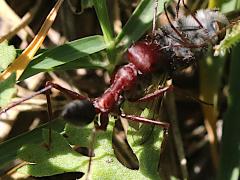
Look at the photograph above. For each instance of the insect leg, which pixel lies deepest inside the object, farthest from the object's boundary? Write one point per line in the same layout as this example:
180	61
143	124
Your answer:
157	93
25	99
160	92
50	116
65	91
164	125
49	85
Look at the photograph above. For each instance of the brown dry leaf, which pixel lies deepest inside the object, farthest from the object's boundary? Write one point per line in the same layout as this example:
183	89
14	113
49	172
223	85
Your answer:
23	60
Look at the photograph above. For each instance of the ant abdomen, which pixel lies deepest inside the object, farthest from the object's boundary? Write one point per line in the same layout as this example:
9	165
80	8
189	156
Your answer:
79	112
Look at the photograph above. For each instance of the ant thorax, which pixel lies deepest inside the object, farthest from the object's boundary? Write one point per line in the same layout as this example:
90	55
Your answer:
190	39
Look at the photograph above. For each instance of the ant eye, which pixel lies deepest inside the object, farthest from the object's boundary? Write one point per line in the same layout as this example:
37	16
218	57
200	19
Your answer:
216	25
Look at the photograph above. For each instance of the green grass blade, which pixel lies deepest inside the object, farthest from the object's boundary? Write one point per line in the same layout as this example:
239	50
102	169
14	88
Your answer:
230	152
107	29
103	18
139	22
64	54
88	62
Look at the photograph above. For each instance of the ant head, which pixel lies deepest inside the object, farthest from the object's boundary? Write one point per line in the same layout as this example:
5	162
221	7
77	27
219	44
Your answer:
79	112
213	21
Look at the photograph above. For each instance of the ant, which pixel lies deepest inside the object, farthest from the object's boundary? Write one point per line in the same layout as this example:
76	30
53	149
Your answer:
165	50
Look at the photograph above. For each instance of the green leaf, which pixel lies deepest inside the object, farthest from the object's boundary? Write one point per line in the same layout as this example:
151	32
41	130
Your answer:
230	151
7	90
60	158
9	148
230	146
104	165
7	55
139	22
64	54
231	39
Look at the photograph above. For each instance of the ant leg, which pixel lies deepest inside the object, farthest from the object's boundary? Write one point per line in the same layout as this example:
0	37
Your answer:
164	125
65	91
50	117
104	120
160	92
157	93
49	85
25	99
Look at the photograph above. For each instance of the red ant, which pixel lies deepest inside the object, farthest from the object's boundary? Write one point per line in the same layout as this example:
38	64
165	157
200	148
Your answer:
171	48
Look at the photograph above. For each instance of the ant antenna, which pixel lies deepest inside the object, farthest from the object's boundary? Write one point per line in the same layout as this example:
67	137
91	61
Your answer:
174	28
155	16
177	7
